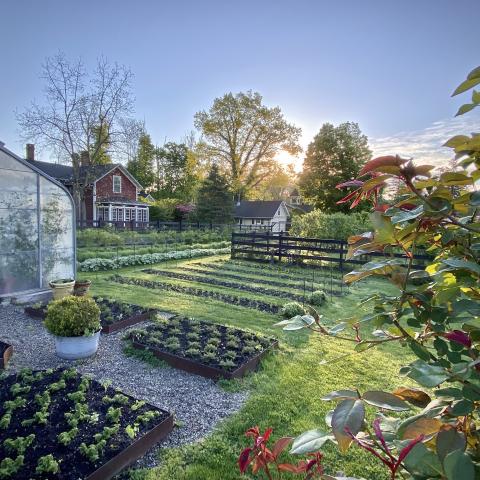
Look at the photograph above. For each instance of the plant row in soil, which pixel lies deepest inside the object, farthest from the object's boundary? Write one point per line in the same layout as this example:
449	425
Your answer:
325	274
198	292
112	313
224	350
59	424
262	281
222	283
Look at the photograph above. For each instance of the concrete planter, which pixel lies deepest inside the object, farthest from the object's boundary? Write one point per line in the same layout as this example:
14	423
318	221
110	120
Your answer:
74	348
61	288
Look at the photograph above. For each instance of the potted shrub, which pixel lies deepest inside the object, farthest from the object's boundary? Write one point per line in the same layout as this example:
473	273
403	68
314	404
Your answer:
81	287
62	287
75	324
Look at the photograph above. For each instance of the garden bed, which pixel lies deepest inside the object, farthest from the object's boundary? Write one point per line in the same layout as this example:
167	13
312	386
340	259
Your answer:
114	315
197	292
6	352
62	425
206	349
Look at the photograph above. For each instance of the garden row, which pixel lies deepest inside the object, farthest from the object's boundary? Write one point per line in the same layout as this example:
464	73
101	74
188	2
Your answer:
112	251
97	264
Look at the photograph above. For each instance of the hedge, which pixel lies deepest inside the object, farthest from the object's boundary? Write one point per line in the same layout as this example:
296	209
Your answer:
96	264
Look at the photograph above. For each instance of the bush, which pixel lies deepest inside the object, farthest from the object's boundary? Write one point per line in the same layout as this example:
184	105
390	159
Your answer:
99	237
292	309
73	317
317	298
337	226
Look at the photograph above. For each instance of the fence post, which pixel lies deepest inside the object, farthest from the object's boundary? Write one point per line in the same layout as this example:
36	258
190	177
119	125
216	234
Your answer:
341	257
280	241
180	225
232	248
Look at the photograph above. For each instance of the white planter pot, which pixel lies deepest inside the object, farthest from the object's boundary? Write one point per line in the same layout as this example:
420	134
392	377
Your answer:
74	348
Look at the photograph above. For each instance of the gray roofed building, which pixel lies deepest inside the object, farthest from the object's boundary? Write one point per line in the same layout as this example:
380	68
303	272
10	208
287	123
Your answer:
261	215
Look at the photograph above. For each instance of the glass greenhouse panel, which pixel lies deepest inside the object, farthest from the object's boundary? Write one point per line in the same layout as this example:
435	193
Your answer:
36	228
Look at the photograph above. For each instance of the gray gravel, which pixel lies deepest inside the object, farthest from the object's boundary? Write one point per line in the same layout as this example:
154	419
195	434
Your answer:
197	403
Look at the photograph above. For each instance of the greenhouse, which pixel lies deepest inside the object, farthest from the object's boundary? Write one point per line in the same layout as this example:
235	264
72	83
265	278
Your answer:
37	227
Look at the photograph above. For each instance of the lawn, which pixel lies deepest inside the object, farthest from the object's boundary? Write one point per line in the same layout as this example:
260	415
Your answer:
285	393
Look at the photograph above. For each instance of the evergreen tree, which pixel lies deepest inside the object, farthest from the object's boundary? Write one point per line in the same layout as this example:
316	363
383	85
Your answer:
215	200
335	156
142	166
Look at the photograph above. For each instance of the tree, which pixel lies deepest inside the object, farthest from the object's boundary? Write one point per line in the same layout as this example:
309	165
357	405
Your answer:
243	136
142	165
335	156
176	175
215	200
80	112
277	184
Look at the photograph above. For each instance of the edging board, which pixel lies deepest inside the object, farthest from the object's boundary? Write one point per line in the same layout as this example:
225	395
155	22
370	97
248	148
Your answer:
207	371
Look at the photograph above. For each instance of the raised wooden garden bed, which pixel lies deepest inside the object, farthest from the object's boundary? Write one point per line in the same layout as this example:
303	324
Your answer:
114	315
6	352
209	350
62	425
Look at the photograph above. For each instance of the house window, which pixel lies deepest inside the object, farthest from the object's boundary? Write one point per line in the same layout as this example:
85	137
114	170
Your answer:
142	215
117	214
102	213
117	184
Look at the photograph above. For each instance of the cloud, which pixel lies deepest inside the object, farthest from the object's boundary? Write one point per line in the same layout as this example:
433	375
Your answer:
425	146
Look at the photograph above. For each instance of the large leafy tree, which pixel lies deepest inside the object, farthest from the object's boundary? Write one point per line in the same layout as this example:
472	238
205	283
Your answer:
243	136
142	164
335	155
176	172
214	199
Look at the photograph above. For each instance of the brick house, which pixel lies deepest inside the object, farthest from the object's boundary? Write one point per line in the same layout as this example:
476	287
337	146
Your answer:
111	192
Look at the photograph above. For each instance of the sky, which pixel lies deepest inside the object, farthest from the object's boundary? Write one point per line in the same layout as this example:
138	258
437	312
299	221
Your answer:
389	65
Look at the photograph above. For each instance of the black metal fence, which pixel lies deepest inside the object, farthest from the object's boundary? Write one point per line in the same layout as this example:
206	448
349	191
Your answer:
178	226
284	248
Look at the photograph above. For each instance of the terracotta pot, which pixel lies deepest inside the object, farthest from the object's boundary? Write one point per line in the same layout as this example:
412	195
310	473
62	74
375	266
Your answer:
81	287
62	287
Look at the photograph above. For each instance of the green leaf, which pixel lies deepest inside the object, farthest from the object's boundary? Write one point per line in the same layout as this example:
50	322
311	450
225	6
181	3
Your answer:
475	199
455	178
461	408
310	441
475	97
458	465
456	141
348	414
463	264
403	216
419	350
466	107
337	329
449	440
423	462
427	375
296	323
466	85
340	395
385	400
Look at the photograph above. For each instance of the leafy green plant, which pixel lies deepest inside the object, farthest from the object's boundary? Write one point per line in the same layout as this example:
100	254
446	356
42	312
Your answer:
47	464
137	405
113	414
19	444
226	364
434	314
172	344
73	317
17	389
193	336
57	386
292	309
118	398
317	298
65	438
93	451
10	467
193	352
5	421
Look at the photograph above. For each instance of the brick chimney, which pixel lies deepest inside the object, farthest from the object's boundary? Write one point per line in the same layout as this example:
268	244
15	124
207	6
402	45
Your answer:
84	158
30	152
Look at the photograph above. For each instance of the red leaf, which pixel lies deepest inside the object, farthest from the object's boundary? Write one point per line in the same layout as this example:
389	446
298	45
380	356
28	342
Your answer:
348	197
244	460
405	451
459	337
385	161
280	446
253	432
288	467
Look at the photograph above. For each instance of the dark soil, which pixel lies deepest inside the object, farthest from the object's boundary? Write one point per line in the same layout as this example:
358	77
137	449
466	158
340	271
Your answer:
238	346
198	292
73	464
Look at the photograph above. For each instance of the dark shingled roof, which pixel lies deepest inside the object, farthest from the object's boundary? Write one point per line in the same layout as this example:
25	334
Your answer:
257	209
64	173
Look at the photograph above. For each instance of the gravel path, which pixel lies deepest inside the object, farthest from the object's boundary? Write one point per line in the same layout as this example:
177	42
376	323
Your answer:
198	403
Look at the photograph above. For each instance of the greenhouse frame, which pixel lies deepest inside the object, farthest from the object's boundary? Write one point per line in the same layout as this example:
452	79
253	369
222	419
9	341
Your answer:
37	227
